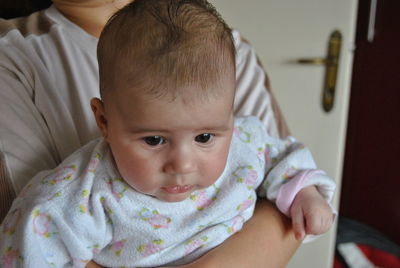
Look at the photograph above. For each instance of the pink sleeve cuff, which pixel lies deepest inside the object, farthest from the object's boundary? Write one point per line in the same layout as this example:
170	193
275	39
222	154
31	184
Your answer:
289	190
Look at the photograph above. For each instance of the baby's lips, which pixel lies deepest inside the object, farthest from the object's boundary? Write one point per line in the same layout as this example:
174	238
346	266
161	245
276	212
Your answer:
177	189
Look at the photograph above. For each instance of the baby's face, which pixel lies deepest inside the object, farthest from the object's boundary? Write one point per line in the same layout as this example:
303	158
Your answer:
168	149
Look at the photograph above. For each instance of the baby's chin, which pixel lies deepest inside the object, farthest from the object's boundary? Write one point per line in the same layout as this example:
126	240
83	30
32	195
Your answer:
164	195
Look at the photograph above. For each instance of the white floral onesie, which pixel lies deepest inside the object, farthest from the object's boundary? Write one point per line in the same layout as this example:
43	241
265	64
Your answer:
83	210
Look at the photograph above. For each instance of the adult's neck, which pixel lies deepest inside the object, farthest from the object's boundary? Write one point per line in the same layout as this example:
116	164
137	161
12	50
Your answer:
90	15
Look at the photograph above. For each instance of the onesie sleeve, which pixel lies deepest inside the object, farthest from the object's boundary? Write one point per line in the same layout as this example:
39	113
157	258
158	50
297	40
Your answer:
293	168
288	167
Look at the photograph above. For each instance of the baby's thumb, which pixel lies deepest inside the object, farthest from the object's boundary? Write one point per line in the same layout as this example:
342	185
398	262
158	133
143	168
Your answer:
298	222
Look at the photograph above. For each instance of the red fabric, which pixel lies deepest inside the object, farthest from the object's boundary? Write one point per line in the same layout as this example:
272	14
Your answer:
378	257
337	263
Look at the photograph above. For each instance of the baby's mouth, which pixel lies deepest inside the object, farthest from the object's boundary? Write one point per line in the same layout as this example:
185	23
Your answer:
177	189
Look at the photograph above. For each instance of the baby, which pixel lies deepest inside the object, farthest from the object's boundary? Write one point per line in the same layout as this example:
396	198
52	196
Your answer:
175	174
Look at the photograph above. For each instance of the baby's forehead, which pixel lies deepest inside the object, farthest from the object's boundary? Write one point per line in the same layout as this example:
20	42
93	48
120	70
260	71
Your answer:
191	97
143	112
150	88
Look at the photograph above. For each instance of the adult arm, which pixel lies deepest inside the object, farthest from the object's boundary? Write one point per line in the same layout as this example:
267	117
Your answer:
25	142
266	240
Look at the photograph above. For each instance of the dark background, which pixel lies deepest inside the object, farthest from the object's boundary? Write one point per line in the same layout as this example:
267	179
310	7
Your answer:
371	174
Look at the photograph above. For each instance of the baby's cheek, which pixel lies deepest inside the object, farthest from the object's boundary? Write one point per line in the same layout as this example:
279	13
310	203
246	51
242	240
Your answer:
141	184
215	169
138	177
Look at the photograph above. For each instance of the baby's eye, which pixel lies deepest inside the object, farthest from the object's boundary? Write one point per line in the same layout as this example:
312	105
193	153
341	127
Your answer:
154	140
204	138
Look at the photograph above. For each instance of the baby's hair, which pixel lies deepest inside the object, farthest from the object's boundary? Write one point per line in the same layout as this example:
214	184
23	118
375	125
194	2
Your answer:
161	46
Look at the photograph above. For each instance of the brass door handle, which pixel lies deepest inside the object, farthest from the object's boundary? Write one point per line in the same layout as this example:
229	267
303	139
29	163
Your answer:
312	61
331	63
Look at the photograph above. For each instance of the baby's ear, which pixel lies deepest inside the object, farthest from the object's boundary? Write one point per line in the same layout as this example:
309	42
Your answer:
98	112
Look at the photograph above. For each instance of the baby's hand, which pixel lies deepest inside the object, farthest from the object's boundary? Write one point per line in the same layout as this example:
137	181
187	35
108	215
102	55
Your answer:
310	213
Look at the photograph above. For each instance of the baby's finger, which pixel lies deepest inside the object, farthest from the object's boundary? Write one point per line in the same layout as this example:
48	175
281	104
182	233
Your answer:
317	223
327	222
298	223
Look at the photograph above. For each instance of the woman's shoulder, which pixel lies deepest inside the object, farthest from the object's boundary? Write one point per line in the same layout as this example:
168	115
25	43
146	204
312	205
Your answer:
38	23
242	46
24	43
41	33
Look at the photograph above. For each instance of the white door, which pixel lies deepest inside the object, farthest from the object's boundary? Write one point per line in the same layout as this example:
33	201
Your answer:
283	31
